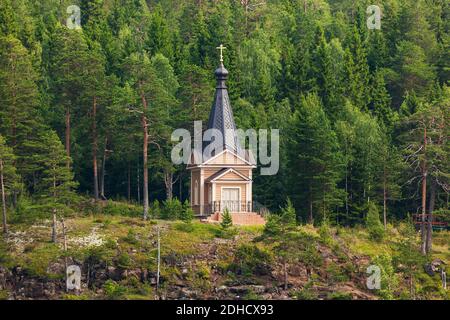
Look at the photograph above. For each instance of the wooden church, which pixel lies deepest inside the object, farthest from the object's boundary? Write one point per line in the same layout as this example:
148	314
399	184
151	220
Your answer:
223	179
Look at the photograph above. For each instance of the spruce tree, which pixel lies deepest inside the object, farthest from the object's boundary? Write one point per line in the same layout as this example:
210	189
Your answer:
315	161
227	221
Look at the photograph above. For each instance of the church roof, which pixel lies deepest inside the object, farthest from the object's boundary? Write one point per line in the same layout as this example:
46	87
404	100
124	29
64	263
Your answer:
221	115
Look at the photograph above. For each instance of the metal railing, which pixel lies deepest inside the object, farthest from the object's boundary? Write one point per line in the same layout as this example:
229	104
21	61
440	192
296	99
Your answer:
231	205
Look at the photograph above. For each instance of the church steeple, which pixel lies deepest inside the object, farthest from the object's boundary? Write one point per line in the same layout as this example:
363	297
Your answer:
221	116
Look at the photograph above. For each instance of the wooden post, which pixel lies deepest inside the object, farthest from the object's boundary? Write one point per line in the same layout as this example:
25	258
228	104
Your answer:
159	261
424	192
65	248
5	228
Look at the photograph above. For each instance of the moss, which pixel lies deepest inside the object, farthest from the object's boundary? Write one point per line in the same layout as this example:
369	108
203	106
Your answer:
338	295
4	294
83	296
37	261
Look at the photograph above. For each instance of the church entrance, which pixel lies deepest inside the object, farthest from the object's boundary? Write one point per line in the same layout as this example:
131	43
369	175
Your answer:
230	199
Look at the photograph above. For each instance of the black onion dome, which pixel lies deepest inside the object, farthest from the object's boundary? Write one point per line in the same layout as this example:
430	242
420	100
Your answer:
221	115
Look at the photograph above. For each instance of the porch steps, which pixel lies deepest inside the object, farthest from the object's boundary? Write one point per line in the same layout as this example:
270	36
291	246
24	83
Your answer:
239	218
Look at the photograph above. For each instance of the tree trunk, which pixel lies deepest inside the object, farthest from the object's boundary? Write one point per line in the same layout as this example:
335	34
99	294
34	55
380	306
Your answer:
311	218
181	186
285	276
68	135
168	181
145	155
138	184
94	146
384	199
54	211
102	178
2	184
424	194
129	183
54	226
429	240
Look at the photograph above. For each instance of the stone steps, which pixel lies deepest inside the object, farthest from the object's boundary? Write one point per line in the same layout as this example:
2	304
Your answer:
239	218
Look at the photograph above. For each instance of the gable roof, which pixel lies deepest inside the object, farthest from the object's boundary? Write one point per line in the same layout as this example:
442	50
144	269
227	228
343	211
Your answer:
225	171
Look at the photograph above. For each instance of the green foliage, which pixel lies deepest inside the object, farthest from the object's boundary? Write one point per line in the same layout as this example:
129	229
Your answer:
389	280
272	227
115	208
373	223
314	160
124	261
309	68
338	295
155	210
288	216
250	260
187	214
325	232
113	290
227	221
306	293
172	209
131	238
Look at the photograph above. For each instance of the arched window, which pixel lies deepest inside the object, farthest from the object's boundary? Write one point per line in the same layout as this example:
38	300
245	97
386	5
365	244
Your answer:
196	194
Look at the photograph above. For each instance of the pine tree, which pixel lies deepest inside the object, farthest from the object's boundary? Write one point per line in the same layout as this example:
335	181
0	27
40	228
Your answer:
19	118
69	75
150	90
8	177
56	185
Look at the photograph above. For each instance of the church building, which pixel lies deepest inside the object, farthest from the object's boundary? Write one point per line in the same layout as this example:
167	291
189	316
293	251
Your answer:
223	180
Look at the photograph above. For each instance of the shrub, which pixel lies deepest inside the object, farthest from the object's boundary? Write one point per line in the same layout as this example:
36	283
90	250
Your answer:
336	273
113	290
325	232
389	281
273	226
187	214
124	261
306	293
373	223
155	210
131	237
227	221
185	227
338	295
277	225
249	259
288	215
114	208
172	209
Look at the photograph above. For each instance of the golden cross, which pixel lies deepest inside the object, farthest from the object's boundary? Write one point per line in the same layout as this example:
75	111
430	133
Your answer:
221	48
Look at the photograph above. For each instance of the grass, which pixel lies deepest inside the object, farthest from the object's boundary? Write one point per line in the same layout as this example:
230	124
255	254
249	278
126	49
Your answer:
129	242
37	261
